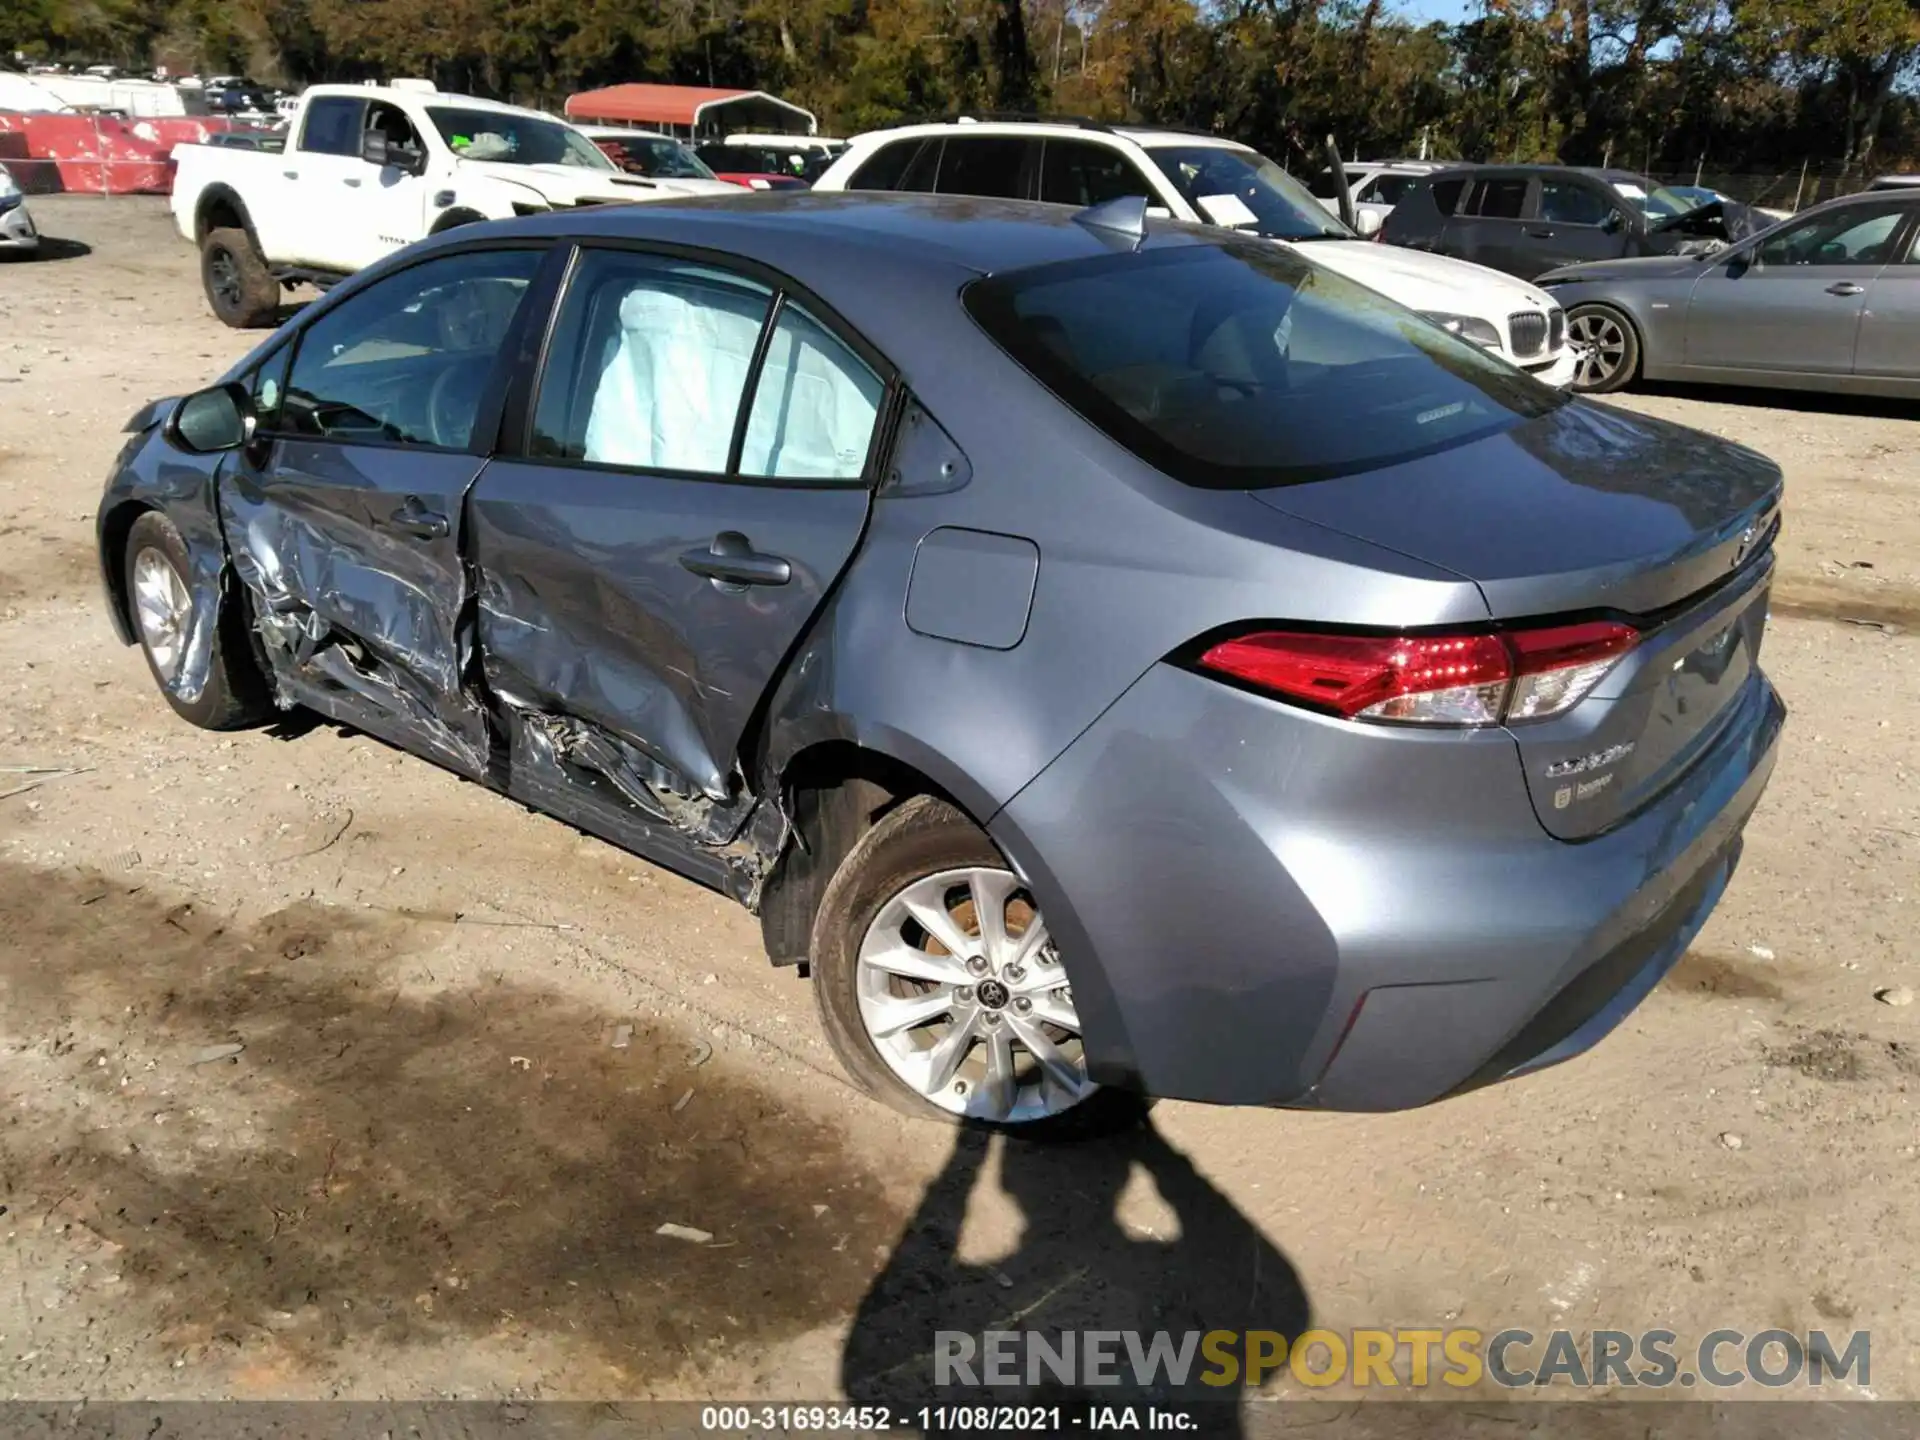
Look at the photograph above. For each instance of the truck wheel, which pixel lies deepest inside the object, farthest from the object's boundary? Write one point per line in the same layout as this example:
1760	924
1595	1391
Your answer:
456	217
240	289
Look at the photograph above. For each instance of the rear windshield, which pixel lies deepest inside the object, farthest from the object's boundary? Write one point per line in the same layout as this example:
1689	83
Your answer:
1241	366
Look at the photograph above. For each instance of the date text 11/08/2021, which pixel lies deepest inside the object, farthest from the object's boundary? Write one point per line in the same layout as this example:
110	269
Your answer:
987	1419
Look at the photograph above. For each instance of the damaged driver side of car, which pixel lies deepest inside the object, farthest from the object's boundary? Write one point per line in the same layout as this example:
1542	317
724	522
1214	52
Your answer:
557	529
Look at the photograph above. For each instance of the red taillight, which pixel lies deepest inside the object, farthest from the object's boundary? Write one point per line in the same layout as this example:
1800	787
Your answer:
1478	678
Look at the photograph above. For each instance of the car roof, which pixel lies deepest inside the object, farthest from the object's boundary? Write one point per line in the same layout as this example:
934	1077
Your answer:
424	97
941	232
1148	136
890	263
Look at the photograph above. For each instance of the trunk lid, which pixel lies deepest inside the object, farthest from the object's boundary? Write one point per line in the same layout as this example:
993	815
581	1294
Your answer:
1587	512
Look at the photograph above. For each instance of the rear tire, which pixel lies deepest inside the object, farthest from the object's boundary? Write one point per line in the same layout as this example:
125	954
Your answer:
1610	348
241	291
928	842
156	568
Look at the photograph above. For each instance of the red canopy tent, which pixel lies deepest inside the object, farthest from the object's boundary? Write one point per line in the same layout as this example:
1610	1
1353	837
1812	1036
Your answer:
694	111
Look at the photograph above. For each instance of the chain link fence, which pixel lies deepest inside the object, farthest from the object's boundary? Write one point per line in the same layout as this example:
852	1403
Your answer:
1789	189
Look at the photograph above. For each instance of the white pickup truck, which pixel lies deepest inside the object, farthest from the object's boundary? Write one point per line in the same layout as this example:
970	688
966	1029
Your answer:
367	169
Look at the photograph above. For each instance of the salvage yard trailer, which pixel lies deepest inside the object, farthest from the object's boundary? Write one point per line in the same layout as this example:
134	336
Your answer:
368	170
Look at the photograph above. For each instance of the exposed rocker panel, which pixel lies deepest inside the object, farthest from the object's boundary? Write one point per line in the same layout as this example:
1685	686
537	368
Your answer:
972	586
577	761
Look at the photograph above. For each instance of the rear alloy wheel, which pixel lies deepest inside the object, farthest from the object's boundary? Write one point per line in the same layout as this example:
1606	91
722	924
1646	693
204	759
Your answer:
942	991
1608	350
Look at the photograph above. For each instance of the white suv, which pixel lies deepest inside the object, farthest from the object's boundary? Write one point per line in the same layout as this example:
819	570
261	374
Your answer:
1209	181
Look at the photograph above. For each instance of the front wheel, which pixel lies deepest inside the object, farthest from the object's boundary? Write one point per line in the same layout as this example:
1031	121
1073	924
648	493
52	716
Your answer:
241	291
941	991
233	692
1608	347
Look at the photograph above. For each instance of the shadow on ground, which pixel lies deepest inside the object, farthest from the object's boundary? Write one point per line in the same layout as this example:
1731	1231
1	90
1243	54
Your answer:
1077	1269
395	1162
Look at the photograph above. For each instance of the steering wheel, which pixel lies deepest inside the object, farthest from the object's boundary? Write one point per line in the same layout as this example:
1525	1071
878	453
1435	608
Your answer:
451	405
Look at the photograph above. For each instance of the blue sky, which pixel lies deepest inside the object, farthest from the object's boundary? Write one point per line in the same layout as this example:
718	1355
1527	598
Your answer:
1451	11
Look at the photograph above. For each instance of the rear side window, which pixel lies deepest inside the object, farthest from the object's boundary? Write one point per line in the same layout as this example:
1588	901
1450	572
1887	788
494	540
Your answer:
648	364
887	167
1081	173
994	166
332	125
1240	366
1447	193
650	369
1500	199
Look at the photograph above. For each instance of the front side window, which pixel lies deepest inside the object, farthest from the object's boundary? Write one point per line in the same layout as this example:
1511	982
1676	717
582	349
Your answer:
1500	199
649	363
1853	235
406	361
332	125
1240	366
1081	173
507	138
398	130
1243	190
1567	202
994	166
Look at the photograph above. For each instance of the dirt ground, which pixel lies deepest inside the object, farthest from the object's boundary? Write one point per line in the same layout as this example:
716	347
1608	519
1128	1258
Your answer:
432	1172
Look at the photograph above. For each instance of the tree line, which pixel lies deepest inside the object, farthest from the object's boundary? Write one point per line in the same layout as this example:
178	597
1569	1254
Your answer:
1727	85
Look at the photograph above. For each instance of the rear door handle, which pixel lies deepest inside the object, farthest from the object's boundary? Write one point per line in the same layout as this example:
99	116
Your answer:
291	174
413	518
1540	234
1846	287
731	562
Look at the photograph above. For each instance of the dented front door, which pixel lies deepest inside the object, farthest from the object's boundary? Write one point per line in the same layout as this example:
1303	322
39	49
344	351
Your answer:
645	570
344	519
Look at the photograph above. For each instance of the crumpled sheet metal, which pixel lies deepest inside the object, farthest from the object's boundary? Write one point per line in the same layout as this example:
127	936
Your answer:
746	832
529	657
382	625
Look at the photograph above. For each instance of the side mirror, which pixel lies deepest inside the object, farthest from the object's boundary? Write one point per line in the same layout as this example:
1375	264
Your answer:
1368	222
377	149
210	421
1611	225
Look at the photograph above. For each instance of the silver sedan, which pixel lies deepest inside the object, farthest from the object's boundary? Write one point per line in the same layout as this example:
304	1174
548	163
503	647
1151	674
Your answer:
1827	300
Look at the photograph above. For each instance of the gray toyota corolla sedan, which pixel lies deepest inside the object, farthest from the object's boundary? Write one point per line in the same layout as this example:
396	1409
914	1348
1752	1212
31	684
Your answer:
1112	658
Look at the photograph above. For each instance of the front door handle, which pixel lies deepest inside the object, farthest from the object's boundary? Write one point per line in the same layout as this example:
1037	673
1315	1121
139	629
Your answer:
1846	287
291	174
413	518
1541	234
731	562
353	180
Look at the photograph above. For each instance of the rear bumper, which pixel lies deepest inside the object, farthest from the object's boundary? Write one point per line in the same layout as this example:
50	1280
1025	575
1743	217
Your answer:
1260	906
